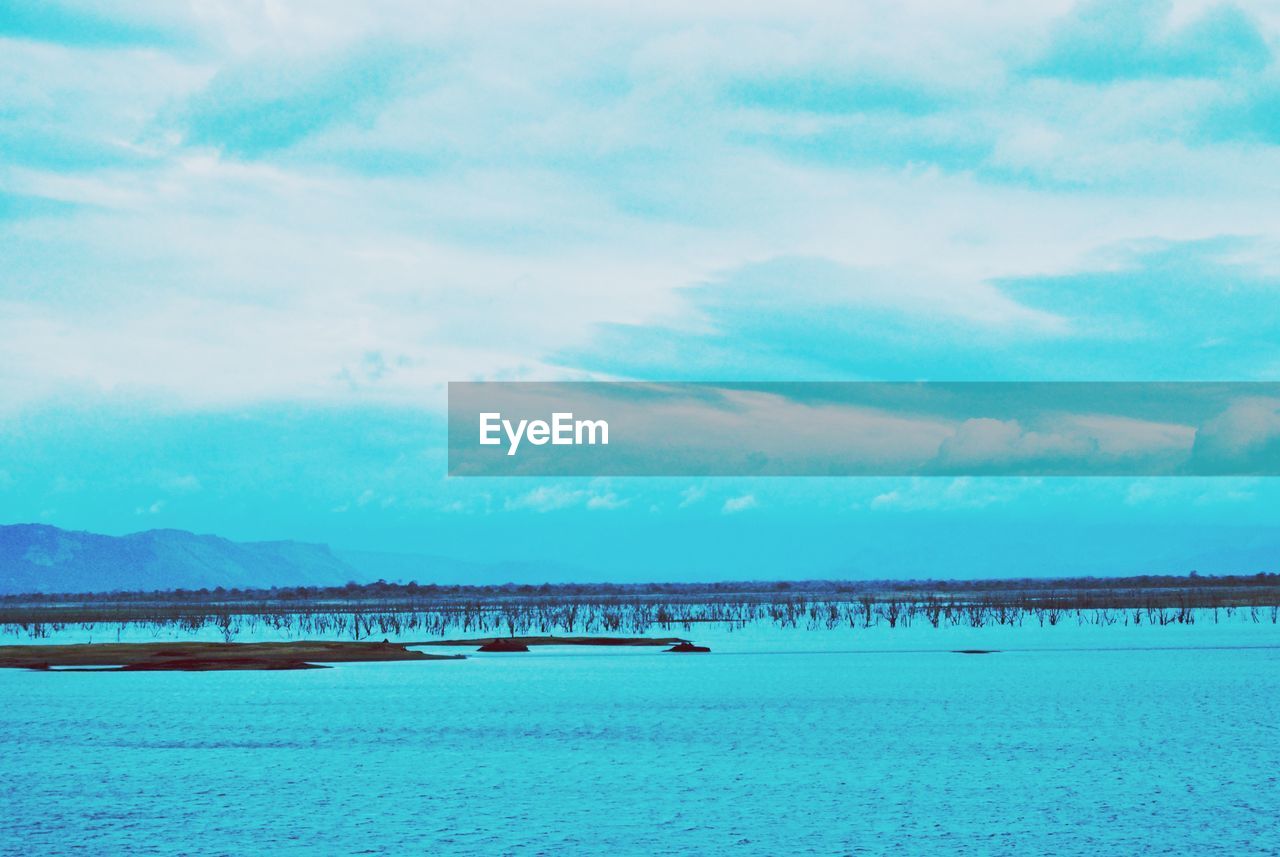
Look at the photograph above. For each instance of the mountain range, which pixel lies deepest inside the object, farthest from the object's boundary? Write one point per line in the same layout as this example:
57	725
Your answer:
41	558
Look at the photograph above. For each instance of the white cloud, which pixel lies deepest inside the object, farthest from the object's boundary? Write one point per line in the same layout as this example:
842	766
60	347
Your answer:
691	495
551	498
963	492
984	440
1247	424
1246	434
739	504
523	185
546	498
1089	440
186	483
606	501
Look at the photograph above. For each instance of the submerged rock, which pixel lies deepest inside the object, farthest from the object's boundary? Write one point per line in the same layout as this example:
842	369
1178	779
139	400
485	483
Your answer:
688	647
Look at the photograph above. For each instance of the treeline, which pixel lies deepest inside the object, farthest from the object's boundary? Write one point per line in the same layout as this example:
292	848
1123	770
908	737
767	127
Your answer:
383	591
359	610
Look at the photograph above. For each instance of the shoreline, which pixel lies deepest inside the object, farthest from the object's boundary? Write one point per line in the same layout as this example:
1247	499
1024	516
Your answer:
288	655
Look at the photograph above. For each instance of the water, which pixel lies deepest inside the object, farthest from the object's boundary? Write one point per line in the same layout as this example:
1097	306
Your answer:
1075	740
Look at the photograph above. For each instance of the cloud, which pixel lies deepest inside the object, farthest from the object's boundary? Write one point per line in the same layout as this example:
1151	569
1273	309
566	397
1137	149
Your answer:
984	441
856	92
1101	41
321	203
186	483
691	495
546	498
606	501
742	503
811	318
551	498
1177	437
84	24
1248	115
1246	433
1078	443
964	492
1118	436
1200	309
270	104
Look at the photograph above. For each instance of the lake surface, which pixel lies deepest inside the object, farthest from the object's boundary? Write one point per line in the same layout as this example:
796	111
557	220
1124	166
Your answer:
1075	740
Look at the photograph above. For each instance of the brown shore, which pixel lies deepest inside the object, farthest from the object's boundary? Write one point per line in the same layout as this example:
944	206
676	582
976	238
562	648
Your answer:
299	654
290	655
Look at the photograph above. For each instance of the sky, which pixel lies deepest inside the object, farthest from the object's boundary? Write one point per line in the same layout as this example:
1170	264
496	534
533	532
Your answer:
245	245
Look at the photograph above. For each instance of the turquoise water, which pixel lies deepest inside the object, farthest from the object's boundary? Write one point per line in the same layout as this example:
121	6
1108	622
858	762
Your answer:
778	742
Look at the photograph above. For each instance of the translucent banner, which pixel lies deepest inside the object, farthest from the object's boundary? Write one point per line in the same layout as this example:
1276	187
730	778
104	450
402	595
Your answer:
864	429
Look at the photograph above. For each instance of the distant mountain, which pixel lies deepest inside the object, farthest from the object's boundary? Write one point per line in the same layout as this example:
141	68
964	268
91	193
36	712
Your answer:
39	558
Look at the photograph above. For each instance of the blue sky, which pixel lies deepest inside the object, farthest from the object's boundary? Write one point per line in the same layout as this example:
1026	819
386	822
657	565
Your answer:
246	245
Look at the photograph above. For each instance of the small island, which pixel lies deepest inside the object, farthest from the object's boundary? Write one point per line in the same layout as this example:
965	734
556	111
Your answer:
193	657
287	655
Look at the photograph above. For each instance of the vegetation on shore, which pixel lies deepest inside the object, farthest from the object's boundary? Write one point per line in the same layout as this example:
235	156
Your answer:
374	611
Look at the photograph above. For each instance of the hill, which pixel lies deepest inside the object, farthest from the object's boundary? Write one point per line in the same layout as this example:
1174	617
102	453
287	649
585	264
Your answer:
41	558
